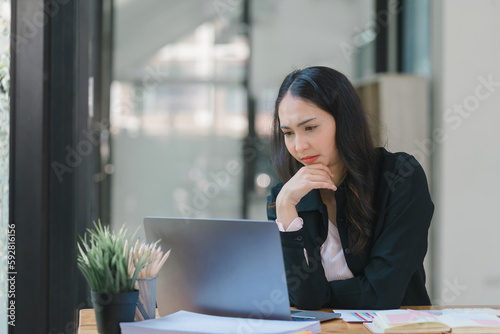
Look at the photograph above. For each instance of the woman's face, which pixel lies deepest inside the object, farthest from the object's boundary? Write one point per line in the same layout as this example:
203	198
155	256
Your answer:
309	133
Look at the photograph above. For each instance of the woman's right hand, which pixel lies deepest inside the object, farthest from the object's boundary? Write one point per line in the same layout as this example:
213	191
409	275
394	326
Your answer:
316	176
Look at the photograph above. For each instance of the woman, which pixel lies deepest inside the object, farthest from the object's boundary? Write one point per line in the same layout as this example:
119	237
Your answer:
354	218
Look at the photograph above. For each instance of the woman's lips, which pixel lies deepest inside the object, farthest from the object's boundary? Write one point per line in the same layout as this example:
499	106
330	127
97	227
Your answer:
310	159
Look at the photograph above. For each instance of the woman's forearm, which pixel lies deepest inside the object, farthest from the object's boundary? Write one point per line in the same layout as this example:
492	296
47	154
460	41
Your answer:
285	211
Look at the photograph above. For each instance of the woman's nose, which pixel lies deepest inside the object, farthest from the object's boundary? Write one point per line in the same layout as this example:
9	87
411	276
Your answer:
301	144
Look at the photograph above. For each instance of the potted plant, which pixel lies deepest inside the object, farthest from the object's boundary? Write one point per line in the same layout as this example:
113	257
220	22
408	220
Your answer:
103	258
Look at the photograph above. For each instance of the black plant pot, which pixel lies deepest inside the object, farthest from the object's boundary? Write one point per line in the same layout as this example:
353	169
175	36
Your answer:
113	308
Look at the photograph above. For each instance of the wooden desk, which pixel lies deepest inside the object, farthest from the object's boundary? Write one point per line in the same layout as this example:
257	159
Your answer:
88	326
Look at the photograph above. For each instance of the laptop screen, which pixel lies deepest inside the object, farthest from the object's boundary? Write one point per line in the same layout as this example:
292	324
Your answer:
220	267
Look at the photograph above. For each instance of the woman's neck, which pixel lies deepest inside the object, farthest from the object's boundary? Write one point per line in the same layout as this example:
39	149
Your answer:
327	195
338	174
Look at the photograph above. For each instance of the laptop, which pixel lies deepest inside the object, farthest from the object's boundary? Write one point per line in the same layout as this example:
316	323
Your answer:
223	267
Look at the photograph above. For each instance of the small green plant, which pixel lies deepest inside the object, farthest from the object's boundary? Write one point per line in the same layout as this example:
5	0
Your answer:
103	259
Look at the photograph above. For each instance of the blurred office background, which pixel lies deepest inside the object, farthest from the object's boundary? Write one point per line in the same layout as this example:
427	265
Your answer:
126	108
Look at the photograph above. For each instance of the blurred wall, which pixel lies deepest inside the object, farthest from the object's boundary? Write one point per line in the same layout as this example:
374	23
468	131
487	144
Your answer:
291	34
466	148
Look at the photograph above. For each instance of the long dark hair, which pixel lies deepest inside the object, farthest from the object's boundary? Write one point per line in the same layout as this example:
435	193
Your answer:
332	92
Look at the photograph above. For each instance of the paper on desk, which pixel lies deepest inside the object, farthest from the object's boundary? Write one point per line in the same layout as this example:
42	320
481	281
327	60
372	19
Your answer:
467	310
472	310
356	315
189	322
367	315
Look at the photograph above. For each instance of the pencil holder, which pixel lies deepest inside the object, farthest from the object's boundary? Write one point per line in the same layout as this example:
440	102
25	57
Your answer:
146	305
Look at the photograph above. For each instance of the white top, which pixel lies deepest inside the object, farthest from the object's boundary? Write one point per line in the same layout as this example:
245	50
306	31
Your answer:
332	253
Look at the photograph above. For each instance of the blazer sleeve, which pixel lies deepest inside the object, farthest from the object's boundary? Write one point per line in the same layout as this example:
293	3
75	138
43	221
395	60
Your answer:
398	250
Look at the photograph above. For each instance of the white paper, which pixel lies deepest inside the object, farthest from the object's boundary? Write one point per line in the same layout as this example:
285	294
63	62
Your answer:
471	310
361	315
356	315
189	322
455	320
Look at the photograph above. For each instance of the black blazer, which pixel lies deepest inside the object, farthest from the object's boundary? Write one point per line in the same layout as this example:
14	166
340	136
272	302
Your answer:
389	273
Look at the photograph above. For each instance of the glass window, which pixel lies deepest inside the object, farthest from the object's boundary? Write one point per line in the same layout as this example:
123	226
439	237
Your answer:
177	127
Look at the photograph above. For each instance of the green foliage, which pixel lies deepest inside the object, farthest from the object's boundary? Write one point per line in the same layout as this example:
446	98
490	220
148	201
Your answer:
103	259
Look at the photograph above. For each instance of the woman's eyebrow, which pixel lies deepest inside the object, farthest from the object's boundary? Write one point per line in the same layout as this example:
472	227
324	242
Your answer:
301	123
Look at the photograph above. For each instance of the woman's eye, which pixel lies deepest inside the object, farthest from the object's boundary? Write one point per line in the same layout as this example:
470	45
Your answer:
309	128
286	134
